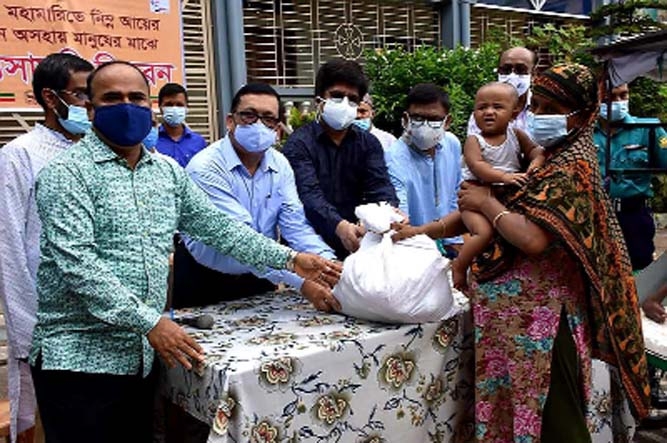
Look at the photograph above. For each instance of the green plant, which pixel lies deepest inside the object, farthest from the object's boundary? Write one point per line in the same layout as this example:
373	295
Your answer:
565	44
659	200
297	118
625	18
648	98
459	71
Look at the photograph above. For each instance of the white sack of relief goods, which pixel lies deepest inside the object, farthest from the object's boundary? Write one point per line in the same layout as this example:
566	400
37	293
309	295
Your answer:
404	282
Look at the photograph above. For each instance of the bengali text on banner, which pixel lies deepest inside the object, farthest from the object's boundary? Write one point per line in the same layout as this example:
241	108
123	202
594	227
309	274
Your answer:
147	33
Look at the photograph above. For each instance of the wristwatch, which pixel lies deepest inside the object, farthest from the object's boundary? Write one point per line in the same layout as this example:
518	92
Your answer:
291	258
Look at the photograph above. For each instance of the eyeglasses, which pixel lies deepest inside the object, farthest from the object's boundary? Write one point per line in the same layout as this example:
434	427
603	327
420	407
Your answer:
251	117
418	120
337	97
79	95
519	69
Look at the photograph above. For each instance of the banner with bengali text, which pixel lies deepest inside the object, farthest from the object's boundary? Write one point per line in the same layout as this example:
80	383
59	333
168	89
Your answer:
145	32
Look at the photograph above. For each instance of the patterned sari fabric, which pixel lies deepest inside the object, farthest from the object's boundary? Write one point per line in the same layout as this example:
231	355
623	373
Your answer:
586	271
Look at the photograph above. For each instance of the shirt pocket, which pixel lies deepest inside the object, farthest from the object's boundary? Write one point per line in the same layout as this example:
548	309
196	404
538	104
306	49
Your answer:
273	204
635	156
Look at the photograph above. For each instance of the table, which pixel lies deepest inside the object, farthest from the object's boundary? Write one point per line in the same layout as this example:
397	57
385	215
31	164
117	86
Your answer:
277	370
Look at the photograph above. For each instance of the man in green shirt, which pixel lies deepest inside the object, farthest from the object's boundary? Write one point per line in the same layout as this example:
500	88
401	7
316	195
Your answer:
630	194
109	210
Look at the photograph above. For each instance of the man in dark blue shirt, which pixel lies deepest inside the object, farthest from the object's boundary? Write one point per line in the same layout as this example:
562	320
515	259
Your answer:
338	166
175	138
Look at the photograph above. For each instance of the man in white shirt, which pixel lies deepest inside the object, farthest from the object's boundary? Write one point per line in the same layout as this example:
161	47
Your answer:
365	114
516	65
59	85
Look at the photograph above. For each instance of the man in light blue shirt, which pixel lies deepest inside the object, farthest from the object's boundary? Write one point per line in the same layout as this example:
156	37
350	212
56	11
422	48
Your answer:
252	182
425	163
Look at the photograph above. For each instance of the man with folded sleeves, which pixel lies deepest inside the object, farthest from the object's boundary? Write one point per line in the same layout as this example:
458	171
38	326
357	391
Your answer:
245	177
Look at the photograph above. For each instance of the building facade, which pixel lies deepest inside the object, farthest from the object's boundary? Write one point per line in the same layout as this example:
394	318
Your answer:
283	42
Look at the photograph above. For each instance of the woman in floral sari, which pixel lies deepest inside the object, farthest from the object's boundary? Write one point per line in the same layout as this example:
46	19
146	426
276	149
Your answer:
555	287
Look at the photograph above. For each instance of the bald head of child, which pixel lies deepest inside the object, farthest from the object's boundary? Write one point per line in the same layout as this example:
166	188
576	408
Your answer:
496	105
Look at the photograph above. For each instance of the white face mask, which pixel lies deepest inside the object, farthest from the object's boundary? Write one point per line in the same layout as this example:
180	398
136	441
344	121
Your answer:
520	82
422	136
338	114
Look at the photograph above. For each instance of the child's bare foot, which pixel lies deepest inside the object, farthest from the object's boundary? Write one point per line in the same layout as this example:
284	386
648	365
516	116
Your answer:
459	276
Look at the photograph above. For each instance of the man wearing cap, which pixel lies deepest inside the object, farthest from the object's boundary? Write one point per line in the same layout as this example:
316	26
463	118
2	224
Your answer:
630	194
365	115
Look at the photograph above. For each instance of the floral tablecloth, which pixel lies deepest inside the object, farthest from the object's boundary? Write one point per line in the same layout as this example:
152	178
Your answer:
278	371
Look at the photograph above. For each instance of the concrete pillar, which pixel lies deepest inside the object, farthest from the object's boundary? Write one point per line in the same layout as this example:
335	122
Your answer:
229	53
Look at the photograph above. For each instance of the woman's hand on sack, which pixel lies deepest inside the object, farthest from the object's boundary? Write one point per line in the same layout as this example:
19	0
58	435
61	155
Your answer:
314	267
459	276
320	296
350	234
473	196
404	231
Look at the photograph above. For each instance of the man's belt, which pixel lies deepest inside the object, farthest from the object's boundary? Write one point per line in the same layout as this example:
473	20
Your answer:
630	204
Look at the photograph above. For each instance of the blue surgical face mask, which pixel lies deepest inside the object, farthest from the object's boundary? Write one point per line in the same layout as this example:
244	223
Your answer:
77	122
256	137
548	130
151	139
619	110
174	115
363	123
123	124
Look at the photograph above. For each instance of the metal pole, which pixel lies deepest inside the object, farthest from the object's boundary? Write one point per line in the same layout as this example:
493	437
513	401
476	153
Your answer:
465	23
237	62
221	61
450	26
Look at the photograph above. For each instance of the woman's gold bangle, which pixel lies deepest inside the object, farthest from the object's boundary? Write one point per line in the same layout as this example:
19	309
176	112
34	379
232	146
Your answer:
497	218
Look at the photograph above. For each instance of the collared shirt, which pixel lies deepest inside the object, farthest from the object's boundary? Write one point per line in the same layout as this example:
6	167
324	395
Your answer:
629	149
520	122
385	138
20	162
333	180
266	201
426	186
107	232
183	149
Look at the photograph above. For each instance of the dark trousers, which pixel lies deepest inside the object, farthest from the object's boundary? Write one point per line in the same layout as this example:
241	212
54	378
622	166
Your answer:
78	407
197	285
563	418
638	229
